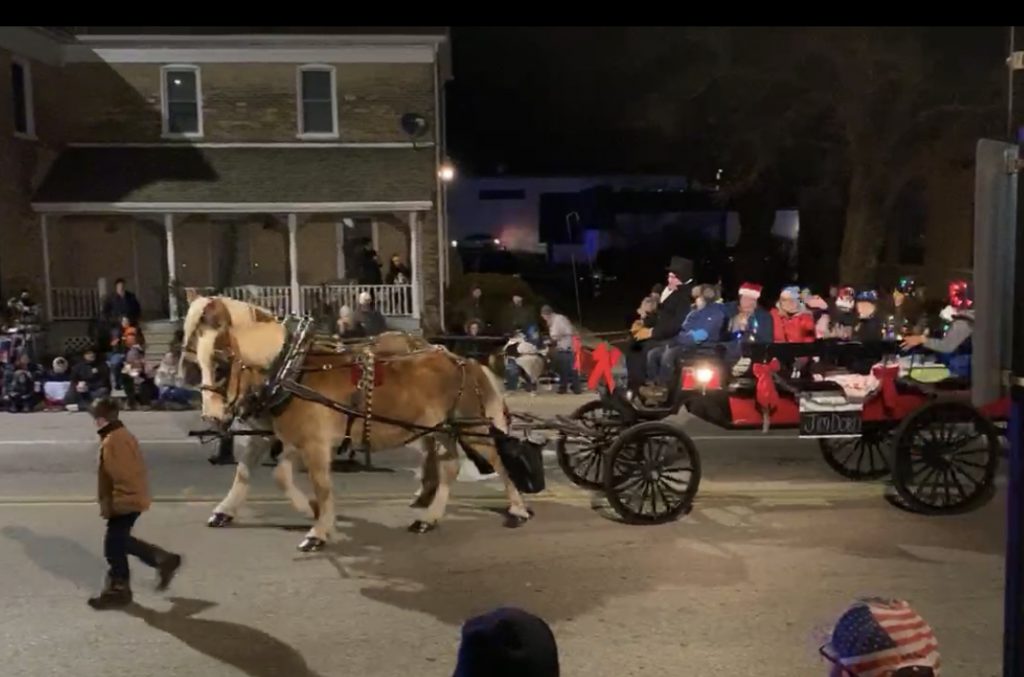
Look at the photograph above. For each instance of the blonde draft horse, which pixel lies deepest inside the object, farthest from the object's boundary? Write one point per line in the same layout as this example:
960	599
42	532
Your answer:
250	450
424	388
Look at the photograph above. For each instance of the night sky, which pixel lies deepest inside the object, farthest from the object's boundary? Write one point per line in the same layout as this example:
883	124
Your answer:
572	100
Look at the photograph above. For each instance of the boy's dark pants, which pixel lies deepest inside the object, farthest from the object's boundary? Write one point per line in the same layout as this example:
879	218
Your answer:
119	543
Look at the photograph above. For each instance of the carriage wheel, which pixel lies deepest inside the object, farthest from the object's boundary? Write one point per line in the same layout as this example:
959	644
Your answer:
946	456
652	473
859	458
584	463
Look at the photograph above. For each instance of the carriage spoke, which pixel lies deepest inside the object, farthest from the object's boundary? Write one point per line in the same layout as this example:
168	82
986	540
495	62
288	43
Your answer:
918	487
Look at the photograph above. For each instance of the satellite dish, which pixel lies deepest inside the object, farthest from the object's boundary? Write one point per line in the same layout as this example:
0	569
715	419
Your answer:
415	125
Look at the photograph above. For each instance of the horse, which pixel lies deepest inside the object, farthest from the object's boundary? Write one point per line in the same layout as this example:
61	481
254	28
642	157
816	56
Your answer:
252	450
386	402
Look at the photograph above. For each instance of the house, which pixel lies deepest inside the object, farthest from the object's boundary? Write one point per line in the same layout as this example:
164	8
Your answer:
255	164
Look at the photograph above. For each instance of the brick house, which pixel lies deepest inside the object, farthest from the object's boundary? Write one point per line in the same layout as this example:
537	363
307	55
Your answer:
249	163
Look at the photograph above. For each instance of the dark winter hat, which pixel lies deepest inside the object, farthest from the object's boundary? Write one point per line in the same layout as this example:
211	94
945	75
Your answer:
507	642
868	295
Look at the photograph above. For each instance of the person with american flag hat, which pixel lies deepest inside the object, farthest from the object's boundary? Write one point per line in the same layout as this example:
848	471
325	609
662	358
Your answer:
877	637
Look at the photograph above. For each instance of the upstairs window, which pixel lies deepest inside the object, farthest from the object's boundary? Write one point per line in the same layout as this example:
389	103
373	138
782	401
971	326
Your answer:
21	98
318	105
182	99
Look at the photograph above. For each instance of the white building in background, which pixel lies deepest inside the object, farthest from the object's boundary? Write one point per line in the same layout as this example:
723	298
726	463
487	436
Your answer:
526	214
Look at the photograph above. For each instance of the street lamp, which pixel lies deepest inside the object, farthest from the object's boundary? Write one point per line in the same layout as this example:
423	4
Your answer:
446	172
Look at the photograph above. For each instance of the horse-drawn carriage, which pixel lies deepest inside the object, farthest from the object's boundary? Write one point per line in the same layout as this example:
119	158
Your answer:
941	451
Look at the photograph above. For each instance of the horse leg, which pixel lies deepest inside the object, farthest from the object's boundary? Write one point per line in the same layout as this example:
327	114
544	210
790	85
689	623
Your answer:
428	474
251	455
447	464
518	514
284	476
318	464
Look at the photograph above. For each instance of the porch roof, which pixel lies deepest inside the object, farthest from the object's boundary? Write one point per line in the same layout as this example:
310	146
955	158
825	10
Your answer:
89	179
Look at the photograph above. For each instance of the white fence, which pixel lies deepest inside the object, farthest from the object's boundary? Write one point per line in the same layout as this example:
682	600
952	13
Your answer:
75	303
389	299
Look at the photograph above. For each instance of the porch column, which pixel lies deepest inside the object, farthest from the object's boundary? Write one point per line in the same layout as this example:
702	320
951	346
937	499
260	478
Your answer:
339	250
293	263
172	267
44	235
135	254
414	261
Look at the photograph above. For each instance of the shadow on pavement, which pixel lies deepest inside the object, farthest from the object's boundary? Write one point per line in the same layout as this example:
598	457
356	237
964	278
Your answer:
59	556
248	649
472	564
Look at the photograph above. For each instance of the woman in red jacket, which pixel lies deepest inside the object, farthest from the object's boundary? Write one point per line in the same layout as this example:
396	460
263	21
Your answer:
791	323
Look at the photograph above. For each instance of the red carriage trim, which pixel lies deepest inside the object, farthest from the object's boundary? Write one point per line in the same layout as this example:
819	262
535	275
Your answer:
357	375
604	360
577	352
887	379
766	394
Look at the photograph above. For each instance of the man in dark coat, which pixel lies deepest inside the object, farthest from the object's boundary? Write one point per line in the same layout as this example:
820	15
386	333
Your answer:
662	330
121	303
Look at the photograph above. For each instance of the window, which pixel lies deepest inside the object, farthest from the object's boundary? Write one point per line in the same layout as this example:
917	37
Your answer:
182	98
499	194
318	110
21	98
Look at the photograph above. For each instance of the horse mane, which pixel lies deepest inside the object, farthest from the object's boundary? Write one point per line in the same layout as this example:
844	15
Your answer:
237	311
260	343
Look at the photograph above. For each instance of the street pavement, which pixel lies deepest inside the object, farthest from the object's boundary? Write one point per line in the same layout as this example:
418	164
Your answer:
748	583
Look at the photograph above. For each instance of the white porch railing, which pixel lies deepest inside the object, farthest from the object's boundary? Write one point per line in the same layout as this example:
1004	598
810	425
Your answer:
75	303
390	299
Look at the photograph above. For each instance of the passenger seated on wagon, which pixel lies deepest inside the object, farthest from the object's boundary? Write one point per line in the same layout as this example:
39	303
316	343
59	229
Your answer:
747	322
703	324
839	319
868	325
954	348
791	322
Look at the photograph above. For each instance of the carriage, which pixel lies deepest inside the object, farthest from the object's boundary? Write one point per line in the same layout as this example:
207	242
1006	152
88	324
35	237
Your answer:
941	452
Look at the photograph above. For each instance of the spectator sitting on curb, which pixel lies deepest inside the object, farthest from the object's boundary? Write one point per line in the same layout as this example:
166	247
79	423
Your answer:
171	392
90	380
124	338
368	317
22	385
56	384
507	642
139	388
347	327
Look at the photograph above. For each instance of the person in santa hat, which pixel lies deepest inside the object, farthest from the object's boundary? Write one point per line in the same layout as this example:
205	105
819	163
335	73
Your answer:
747	321
791	323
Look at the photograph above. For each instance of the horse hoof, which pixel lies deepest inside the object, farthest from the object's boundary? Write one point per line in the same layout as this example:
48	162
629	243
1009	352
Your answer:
421	527
515	521
219	519
315	507
312	544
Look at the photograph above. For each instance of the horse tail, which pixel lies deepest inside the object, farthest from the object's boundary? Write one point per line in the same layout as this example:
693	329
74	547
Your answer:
493	400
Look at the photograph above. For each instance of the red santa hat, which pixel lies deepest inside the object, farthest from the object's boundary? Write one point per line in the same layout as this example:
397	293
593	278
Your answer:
750	289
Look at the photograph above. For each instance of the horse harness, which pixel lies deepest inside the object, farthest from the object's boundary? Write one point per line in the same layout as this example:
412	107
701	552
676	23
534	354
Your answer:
285	381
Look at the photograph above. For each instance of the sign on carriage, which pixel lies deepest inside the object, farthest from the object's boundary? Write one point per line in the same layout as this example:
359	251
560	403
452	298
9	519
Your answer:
829	415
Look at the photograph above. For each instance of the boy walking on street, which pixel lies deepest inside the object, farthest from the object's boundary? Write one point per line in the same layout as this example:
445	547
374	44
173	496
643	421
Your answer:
123	496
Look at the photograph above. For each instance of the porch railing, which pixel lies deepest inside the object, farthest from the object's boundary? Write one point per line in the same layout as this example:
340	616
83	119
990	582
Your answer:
75	303
390	299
